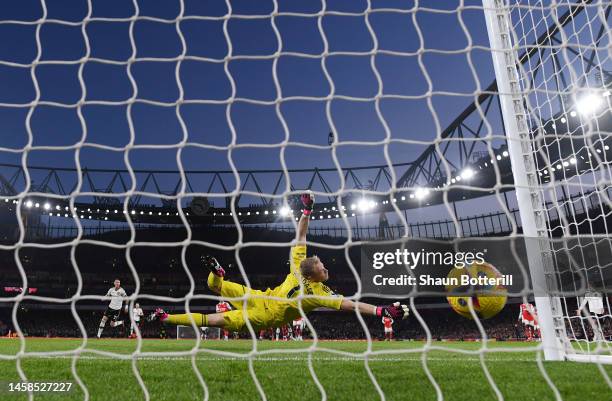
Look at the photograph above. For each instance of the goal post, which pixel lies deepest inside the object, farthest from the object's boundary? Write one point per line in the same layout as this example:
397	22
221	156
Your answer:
520	131
529	199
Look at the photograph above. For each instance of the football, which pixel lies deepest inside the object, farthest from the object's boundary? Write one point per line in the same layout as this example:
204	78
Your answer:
487	300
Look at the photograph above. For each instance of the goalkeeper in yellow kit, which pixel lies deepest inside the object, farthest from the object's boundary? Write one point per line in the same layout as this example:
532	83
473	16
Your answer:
278	306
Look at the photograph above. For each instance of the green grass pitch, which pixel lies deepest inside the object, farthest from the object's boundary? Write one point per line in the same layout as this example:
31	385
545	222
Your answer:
283	371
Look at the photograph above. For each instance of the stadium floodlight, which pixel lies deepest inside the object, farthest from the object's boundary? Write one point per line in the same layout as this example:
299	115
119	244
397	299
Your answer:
47	206
29	204
284	211
365	205
421	193
573	160
589	104
563	120
467	173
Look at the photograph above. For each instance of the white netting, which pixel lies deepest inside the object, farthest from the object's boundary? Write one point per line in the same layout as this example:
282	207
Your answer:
213	69
568	101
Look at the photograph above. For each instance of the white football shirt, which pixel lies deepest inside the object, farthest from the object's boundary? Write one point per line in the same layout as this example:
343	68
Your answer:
116	297
595	302
137	313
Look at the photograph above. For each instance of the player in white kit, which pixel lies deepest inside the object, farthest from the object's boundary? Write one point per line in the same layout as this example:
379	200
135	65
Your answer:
137	313
591	307
117	295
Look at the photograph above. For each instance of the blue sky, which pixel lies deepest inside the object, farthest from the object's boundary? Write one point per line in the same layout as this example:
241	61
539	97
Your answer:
155	81
206	85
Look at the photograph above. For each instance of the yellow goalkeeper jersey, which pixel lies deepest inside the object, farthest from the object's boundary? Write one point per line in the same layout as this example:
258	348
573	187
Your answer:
290	289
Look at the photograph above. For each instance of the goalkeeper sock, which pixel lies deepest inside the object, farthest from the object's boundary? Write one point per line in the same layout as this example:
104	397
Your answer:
183	319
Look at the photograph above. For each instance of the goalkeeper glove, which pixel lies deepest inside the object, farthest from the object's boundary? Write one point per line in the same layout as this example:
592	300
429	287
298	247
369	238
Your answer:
308	202
395	311
211	264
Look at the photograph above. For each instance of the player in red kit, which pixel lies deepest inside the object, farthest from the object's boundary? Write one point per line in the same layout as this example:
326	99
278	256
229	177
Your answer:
388	323
528	317
221	307
298	325
285	332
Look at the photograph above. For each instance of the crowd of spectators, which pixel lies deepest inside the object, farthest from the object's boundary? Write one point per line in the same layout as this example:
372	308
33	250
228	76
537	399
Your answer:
167	271
442	324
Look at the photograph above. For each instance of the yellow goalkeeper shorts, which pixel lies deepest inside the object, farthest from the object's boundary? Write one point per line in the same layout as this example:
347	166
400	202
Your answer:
256	311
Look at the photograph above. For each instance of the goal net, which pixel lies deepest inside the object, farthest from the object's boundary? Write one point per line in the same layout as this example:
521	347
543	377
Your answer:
557	107
139	136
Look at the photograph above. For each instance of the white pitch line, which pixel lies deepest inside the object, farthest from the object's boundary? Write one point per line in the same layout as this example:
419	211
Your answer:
281	359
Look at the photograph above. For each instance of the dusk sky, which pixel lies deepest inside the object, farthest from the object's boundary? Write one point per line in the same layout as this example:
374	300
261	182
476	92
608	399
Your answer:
449	48
206	123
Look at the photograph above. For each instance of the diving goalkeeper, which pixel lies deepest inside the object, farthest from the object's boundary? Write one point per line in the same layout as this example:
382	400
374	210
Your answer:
262	312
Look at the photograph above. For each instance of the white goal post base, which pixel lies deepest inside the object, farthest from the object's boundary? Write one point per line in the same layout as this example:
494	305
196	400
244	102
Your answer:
599	359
